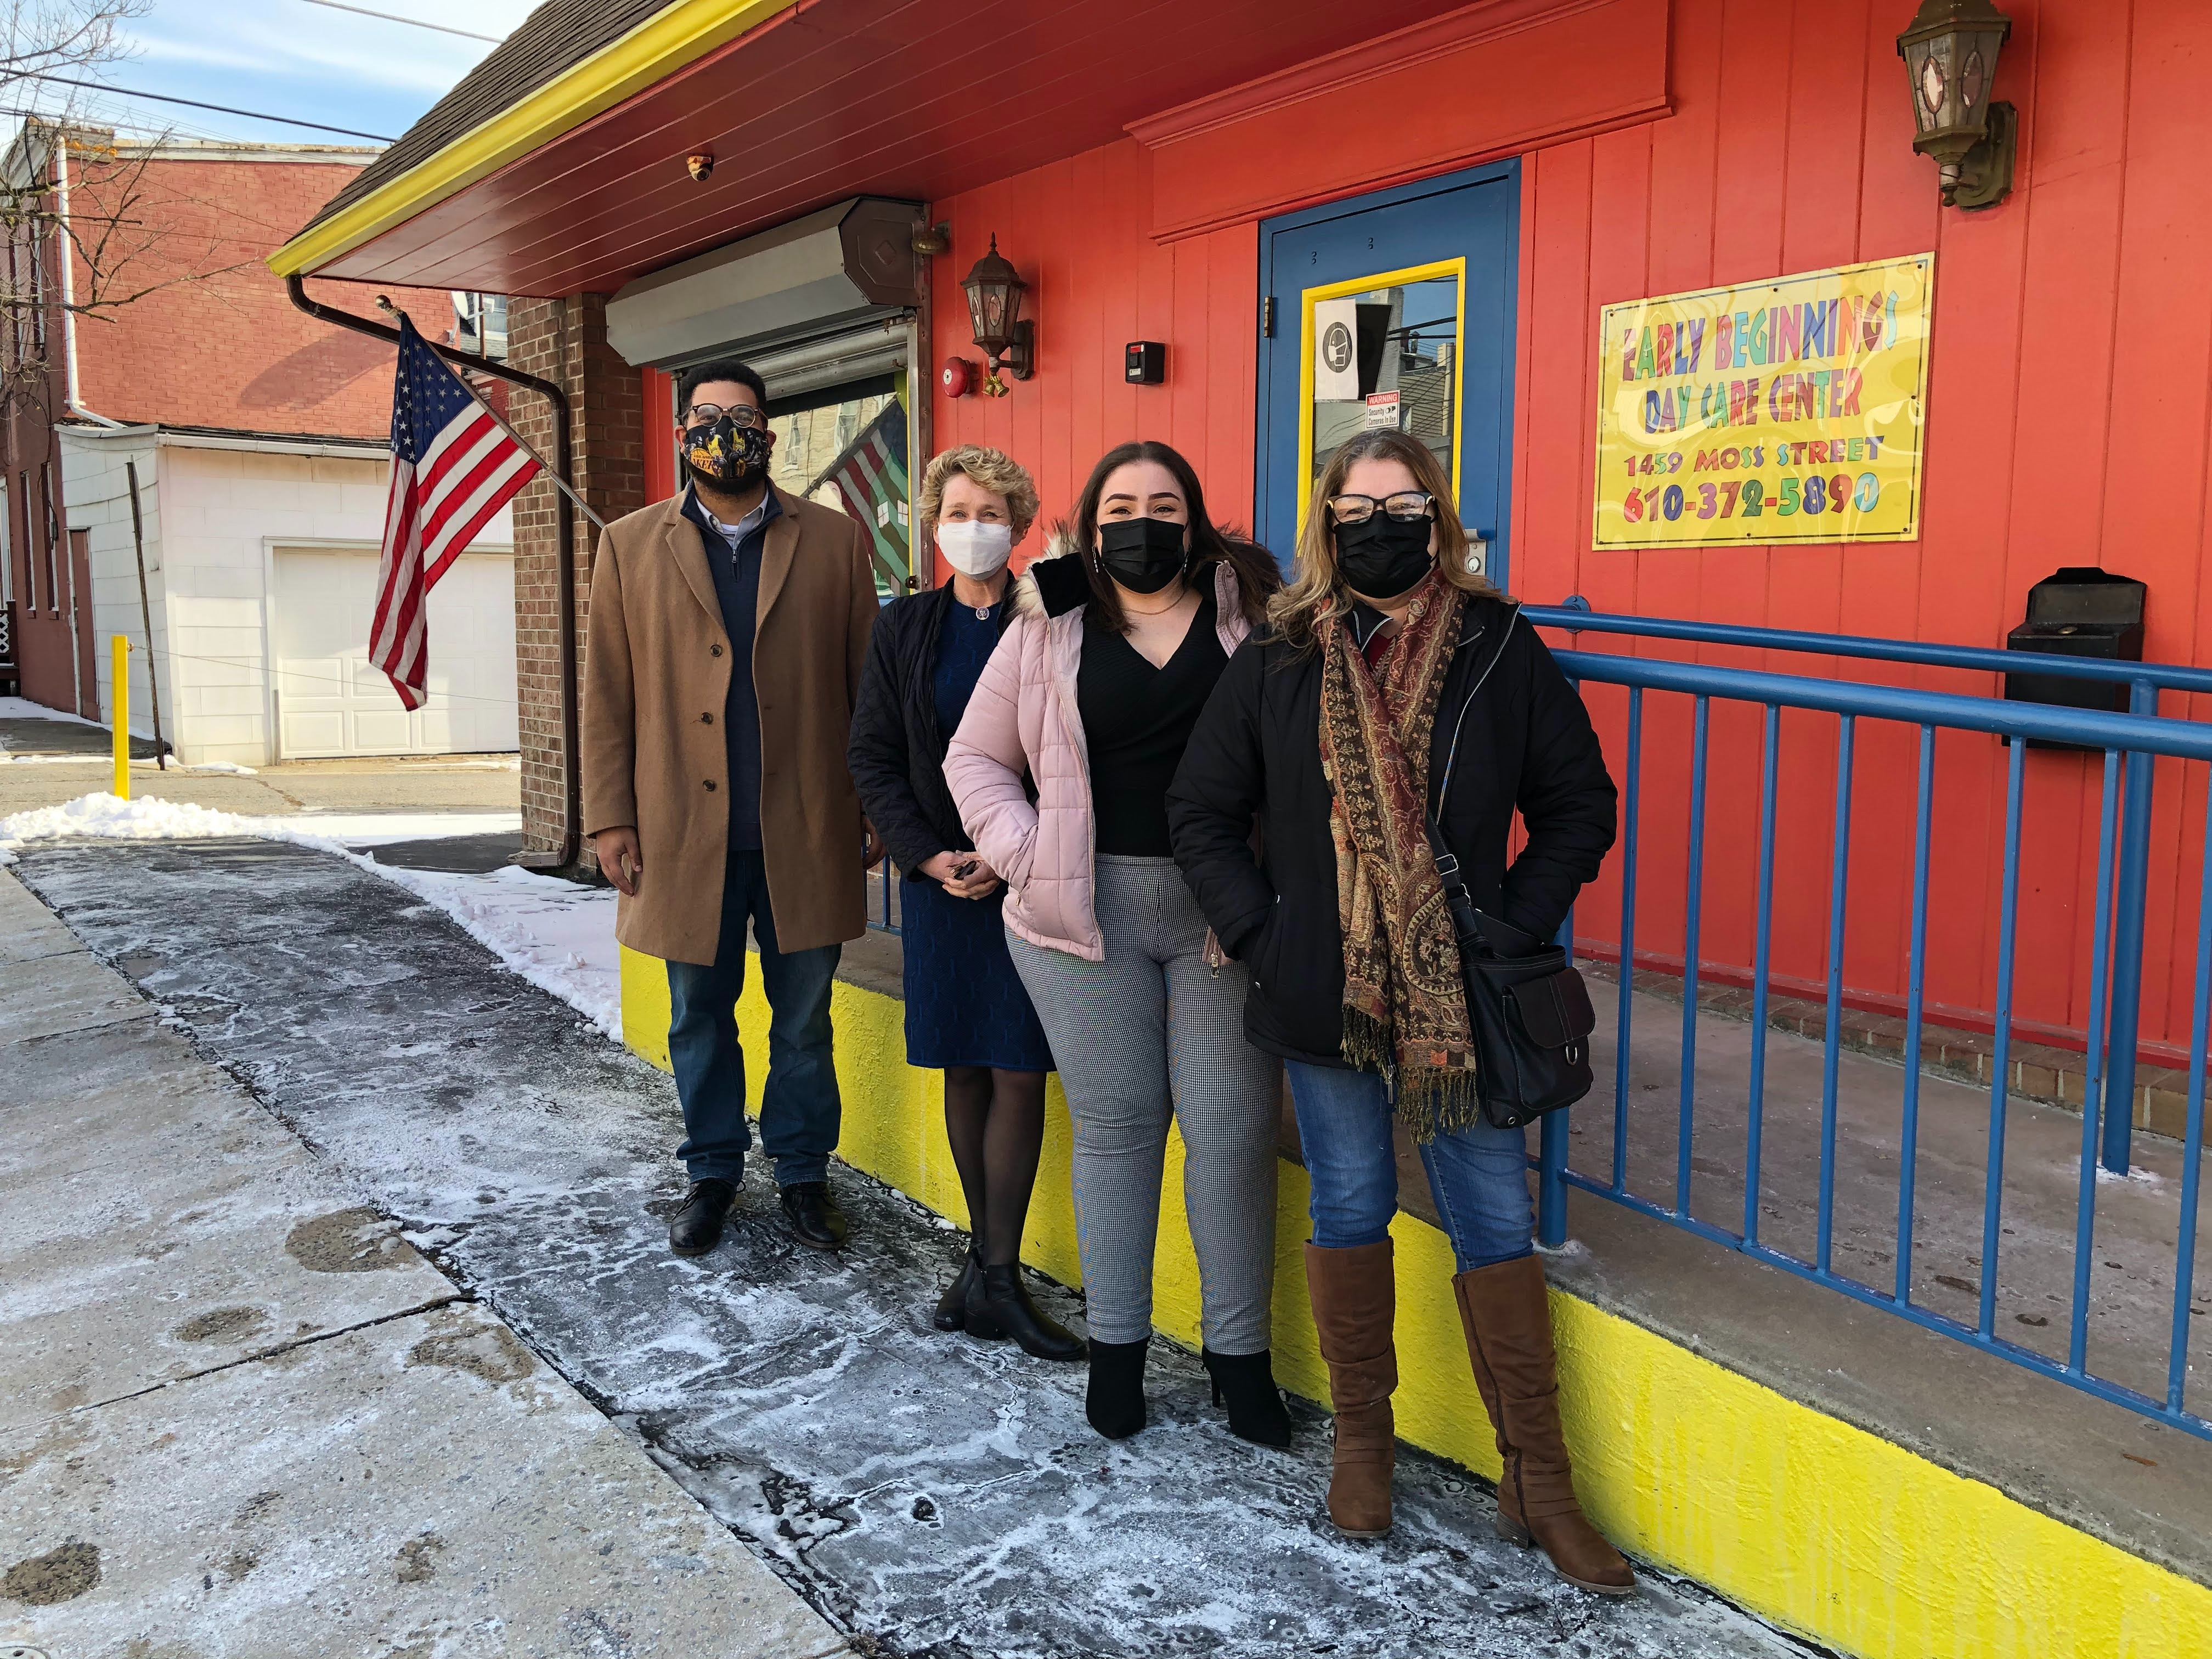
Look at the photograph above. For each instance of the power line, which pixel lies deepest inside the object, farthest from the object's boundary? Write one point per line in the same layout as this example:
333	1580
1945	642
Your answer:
194	103
394	17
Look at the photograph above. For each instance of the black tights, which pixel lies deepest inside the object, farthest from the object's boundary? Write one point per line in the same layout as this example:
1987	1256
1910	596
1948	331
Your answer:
995	1121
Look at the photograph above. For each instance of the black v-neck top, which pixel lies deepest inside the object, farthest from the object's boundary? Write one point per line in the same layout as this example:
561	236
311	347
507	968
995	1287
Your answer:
1136	721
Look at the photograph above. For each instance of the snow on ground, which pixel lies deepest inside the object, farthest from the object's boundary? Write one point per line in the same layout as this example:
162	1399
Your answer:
23	708
556	934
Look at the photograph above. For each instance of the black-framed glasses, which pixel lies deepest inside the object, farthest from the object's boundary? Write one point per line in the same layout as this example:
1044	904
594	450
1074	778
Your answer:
739	414
1405	505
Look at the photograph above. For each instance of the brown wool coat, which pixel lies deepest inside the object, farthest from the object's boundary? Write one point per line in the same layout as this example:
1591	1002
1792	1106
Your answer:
659	663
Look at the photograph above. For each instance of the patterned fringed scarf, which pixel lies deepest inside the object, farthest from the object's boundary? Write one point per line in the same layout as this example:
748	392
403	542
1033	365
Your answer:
1405	1008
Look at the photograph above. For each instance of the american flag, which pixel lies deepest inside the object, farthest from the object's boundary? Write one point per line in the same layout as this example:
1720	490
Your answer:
454	465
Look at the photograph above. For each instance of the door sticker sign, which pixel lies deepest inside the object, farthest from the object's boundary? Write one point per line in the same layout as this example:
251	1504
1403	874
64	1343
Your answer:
1789	410
1336	350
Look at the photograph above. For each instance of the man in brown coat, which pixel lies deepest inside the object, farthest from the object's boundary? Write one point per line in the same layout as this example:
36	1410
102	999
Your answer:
728	629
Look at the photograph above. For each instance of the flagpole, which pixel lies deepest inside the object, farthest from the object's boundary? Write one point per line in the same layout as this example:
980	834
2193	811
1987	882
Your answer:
384	304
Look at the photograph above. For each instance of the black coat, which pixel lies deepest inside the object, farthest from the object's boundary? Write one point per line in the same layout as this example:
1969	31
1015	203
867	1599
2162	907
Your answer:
896	753
1525	742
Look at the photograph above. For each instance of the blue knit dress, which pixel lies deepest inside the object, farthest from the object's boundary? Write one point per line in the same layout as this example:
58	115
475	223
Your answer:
964	1003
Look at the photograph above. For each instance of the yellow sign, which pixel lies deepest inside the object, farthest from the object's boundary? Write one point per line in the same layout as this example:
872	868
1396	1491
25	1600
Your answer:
1781	411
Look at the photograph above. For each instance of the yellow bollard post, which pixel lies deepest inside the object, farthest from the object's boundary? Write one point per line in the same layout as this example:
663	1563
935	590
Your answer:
121	715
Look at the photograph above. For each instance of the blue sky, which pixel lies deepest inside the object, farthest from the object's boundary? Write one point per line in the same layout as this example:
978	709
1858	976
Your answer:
290	58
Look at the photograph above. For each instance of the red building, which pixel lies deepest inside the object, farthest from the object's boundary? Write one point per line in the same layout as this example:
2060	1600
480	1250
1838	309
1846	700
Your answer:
145	329
1703	336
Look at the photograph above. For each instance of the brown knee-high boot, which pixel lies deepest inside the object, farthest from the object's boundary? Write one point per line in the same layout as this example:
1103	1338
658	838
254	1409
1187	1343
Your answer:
1509	1338
1355	1302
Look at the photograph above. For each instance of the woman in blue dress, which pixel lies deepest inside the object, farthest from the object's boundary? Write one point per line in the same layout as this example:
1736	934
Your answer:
967	1014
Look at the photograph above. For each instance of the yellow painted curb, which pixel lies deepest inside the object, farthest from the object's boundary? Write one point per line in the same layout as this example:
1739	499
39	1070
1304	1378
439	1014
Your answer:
1808	1522
664	43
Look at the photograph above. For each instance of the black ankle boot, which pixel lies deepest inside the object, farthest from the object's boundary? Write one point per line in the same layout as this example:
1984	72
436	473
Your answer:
1245	1382
1115	1402
999	1305
952	1313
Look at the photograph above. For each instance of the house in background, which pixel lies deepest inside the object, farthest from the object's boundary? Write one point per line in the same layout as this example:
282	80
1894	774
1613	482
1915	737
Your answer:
260	439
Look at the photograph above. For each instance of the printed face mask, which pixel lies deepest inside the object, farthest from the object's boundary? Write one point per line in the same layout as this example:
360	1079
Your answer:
1381	557
725	455
1143	555
974	548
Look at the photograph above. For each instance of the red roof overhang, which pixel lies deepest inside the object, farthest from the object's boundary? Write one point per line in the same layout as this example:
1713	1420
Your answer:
916	99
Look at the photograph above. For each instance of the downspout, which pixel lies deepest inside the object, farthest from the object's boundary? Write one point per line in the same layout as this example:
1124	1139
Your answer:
572	802
72	393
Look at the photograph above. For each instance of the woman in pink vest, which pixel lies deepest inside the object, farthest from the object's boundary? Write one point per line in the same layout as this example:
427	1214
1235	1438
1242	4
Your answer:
1061	769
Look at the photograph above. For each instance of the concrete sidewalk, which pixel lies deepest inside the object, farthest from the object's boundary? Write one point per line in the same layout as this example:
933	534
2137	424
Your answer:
241	1416
939	1497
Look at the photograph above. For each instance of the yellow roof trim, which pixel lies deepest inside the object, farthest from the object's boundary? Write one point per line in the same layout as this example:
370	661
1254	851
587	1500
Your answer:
681	34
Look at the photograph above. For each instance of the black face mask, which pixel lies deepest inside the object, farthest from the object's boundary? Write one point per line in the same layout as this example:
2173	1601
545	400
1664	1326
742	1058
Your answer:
723	455
1381	556
1143	555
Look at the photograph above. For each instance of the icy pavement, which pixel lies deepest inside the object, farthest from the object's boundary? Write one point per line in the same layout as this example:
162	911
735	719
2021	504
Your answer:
933	1495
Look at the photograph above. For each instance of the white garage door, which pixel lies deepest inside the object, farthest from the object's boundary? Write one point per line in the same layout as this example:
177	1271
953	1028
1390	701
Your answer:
330	701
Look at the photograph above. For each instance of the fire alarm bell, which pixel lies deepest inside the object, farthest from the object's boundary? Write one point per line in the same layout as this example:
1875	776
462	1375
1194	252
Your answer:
958	375
1146	363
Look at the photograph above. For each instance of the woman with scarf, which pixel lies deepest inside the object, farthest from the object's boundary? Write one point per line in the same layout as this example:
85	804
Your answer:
1396	683
1061	769
967	1014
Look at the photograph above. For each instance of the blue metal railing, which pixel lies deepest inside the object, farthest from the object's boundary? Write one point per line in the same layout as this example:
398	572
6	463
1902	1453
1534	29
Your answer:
2144	683
2121	881
885	908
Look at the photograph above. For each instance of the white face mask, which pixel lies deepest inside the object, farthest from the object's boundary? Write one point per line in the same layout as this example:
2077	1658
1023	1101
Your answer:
974	548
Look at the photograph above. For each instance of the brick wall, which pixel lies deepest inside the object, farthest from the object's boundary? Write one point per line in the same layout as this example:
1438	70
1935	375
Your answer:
211	338
564	341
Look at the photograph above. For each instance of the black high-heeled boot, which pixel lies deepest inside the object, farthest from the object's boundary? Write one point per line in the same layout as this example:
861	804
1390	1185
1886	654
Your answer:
1115	1401
952	1313
998	1304
1245	1382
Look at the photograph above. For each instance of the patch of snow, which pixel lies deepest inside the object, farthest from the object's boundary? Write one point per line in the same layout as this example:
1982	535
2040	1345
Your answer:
556	934
2138	1174
9	757
23	708
231	767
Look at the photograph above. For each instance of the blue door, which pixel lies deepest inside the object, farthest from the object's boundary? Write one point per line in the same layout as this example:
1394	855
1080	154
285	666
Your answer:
1392	309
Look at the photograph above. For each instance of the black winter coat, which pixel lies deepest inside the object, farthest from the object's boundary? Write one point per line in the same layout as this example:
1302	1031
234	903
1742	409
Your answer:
1525	742
896	753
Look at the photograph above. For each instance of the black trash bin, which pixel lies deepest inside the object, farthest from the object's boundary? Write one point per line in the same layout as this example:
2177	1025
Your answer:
2078	611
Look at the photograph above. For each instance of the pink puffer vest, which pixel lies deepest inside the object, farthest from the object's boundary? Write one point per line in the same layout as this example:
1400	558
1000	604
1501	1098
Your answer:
1023	717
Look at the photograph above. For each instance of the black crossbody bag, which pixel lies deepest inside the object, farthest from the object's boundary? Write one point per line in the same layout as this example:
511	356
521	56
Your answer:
1526	1006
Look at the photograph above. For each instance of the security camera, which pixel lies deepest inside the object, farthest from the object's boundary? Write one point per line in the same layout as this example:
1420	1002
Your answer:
700	166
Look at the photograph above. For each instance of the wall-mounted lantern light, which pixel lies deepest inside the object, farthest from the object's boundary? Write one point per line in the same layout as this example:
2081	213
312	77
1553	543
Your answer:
1950	51
995	306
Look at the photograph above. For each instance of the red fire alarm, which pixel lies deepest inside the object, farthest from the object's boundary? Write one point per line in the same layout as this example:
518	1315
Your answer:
958	377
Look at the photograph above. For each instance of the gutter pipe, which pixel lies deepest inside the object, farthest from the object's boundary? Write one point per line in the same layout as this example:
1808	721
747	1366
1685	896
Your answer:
572	801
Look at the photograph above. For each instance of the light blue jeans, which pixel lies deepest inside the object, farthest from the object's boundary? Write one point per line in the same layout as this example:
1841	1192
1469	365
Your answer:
1479	1176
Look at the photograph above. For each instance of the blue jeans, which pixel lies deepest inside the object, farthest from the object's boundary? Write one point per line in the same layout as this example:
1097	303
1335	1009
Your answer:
1479	1175
800	1108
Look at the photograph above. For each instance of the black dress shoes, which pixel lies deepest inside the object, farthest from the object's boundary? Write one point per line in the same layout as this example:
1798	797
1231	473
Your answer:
999	1305
1246	1383
1115	1400
952	1313
813	1215
697	1227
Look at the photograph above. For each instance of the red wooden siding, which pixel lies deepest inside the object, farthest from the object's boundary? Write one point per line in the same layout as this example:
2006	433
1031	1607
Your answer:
2068	425
1076	230
2071	402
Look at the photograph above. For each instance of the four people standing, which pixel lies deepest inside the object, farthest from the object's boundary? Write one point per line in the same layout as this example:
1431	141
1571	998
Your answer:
1078	771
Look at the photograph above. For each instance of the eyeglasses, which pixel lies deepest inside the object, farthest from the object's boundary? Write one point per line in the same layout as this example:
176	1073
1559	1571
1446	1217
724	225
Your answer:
739	414
1406	505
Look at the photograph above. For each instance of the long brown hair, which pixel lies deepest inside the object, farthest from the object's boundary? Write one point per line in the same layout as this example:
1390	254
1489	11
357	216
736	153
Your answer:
1316	593
1258	578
